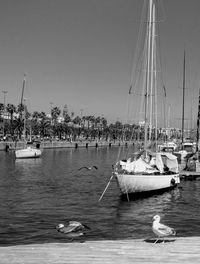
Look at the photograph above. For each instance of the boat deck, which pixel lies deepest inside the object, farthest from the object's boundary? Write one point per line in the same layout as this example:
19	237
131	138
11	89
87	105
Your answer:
174	250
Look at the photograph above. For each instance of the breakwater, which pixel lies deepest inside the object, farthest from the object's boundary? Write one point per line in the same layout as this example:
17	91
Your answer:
9	145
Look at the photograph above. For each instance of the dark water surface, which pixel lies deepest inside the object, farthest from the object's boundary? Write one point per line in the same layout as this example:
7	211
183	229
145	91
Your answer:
36	195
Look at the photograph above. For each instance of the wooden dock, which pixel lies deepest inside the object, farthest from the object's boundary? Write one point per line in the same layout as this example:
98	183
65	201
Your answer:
174	250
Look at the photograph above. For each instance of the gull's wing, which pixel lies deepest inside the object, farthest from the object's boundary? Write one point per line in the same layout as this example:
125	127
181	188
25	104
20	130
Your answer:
83	168
165	230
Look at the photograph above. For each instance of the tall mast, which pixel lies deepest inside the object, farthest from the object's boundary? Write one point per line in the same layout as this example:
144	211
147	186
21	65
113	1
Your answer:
152	70
183	105
148	70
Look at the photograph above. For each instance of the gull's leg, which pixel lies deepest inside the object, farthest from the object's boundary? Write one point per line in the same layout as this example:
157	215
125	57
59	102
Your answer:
156	241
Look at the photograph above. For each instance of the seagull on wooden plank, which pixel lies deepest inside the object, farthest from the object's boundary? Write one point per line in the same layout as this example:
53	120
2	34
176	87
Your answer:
73	229
161	230
88	168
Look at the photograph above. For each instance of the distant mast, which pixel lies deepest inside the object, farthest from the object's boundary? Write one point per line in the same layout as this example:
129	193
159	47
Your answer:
183	106
198	123
23	86
23	104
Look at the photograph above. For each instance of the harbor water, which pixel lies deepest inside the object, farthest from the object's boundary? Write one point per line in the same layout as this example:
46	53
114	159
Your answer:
38	194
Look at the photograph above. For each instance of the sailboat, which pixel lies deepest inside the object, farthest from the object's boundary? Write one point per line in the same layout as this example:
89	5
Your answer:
29	151
193	160
186	148
148	171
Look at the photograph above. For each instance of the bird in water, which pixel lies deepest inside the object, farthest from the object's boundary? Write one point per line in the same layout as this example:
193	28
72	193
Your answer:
73	229
160	230
88	168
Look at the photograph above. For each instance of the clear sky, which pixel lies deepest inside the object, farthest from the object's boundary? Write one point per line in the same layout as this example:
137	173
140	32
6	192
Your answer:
79	53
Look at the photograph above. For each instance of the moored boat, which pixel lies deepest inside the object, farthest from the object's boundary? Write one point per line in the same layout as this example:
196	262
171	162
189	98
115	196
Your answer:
167	147
148	172
141	176
28	152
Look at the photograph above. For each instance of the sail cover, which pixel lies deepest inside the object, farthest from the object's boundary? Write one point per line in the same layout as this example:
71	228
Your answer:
169	161
159	162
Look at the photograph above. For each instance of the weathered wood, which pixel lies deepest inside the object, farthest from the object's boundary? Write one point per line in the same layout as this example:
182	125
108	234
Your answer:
174	250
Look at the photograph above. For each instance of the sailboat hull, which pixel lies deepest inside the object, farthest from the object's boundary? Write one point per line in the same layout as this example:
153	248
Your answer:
141	184
28	153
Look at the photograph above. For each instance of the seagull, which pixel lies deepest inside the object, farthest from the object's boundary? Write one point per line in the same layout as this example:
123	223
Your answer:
74	229
161	230
88	168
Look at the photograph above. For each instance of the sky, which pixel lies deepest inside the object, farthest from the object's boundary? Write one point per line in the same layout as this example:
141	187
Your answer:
79	53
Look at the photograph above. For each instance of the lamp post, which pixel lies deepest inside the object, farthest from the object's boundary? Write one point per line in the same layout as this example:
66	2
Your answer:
4	108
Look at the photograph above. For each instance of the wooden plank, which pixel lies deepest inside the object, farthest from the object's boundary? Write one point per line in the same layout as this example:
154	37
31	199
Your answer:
175	250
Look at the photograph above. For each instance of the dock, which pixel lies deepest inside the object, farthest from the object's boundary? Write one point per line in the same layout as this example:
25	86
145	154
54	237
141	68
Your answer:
174	250
189	175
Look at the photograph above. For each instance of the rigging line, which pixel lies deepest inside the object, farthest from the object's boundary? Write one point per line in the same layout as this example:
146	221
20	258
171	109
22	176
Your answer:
106	188
136	57
160	61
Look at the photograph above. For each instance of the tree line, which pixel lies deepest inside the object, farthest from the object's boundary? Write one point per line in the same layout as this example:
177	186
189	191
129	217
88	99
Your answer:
18	122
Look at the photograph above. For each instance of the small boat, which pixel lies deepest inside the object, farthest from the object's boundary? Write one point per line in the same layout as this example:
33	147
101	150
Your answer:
186	150
167	147
148	172
30	151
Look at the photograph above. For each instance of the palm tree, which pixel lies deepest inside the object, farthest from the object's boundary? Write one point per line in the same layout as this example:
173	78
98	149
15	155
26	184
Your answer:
36	115
19	121
1	109
65	111
104	122
44	125
1	112
11	109
55	112
84	118
77	120
67	119
18	126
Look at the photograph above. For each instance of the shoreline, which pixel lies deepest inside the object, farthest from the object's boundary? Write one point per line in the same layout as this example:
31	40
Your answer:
5	146
174	250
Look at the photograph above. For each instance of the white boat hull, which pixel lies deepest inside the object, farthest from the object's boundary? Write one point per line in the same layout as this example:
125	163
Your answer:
28	153
135	184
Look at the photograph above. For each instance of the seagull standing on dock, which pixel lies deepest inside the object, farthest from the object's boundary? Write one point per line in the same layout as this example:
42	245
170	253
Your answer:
161	230
88	168
74	229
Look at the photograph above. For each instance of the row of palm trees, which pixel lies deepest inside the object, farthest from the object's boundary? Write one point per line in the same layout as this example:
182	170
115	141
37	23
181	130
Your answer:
17	122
